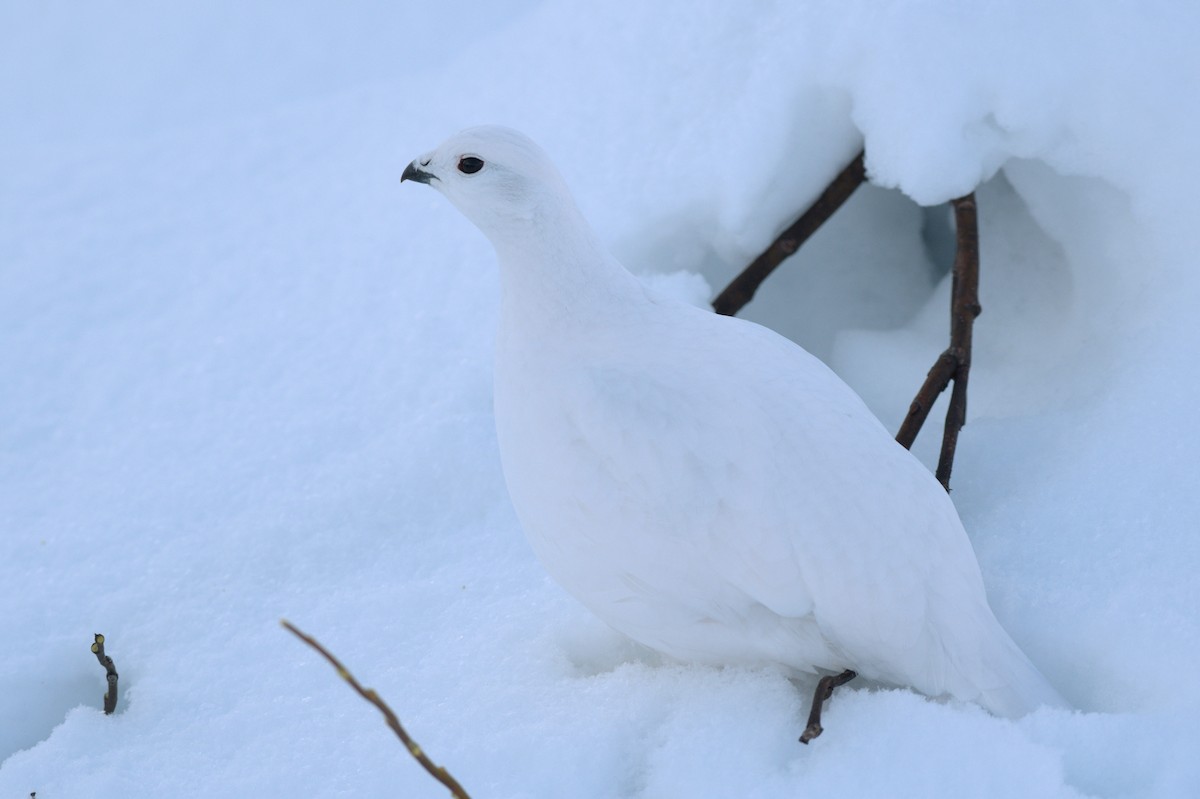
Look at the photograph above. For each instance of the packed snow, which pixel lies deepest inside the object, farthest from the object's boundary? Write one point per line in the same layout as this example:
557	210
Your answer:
247	375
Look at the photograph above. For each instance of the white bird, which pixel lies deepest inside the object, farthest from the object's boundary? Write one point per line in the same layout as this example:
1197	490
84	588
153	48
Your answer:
704	485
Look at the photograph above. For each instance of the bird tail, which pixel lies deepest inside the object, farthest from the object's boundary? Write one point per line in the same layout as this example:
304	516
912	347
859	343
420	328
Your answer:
1013	686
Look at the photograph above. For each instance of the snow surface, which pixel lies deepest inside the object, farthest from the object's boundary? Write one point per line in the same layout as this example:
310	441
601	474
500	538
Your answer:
246	376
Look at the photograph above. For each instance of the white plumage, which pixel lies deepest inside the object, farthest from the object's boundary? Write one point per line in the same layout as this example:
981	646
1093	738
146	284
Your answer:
702	484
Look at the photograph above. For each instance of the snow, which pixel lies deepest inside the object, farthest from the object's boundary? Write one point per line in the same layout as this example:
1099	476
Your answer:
247	376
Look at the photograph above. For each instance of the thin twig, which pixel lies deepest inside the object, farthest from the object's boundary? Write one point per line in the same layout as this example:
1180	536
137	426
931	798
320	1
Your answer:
440	774
940	375
110	668
741	290
824	691
955	363
964	308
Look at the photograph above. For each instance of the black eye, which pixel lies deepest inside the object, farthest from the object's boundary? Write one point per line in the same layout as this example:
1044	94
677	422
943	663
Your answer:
469	164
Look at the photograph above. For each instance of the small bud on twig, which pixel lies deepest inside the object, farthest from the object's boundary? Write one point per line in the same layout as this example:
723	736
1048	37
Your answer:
110	698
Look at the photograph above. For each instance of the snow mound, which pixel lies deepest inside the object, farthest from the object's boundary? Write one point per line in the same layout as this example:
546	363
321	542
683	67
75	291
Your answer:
246	377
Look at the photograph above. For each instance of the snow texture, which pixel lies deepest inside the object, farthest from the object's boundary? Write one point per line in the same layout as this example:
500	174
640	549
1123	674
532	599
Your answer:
247	375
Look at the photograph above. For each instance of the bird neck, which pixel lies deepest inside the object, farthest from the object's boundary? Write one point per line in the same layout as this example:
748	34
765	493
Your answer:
556	274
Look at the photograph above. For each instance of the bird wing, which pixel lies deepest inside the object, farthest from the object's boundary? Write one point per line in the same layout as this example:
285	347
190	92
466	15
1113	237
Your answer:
748	465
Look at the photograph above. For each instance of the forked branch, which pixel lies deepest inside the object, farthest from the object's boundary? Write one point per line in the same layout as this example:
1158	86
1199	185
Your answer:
955	363
952	365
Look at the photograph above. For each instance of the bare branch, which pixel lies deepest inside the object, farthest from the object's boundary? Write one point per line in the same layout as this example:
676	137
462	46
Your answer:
824	690
940	375
964	308
741	290
110	668
955	363
440	774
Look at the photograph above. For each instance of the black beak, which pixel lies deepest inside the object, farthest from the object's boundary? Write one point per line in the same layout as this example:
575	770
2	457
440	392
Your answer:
414	173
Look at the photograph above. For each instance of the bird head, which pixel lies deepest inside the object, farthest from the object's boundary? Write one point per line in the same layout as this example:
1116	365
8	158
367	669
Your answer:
495	176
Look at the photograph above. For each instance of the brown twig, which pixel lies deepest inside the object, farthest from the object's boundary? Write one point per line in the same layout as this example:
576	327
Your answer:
965	308
824	691
440	774
955	363
935	383
110	668
741	290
